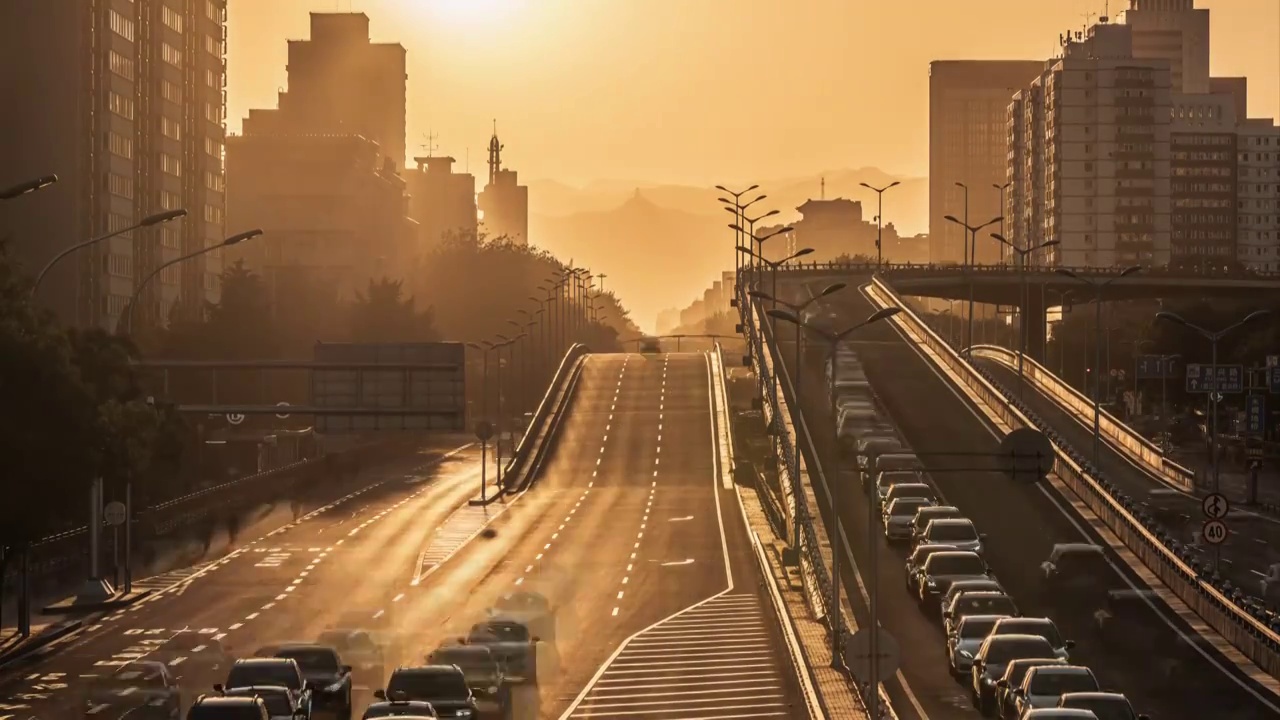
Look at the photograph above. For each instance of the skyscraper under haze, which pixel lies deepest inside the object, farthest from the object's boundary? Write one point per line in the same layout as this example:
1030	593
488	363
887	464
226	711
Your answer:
504	201
124	100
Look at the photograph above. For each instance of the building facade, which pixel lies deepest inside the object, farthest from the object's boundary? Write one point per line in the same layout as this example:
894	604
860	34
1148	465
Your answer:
124	100
441	201
504	202
968	152
1175	31
1258	194
1202	186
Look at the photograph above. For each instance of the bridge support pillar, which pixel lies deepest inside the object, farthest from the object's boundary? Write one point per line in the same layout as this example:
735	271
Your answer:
1034	314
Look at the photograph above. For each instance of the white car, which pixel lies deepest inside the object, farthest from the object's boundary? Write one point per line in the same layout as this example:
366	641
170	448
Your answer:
1042	626
898	516
964	641
1044	686
959	533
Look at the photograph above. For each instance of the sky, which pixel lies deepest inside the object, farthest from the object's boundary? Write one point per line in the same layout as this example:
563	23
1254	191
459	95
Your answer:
699	92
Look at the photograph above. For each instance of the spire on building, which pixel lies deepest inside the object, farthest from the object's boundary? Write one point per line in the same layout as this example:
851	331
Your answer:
822	193
495	155
430	145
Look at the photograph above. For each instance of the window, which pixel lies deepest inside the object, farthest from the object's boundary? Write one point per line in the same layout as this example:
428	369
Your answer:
171	129
171	54
120	265
118	144
213	45
213	147
116	304
117	222
120	105
169	237
215	181
170	164
120	25
171	18
211	78
170	92
210	281
170	275
120	65
212	11
212	214
169	200
213	113
120	185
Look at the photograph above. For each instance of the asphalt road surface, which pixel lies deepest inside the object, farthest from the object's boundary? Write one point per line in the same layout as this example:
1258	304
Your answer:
622	531
1153	657
1251	548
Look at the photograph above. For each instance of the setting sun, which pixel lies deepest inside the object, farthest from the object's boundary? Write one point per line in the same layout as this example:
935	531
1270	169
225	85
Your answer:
470	11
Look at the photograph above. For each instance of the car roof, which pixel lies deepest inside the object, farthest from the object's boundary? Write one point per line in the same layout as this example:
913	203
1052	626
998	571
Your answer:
941	508
912	485
1036	662
1032	621
933	548
228	700
980	594
980	618
1060	714
460	648
944	522
969	585
302	646
1097	695
1063	670
251	690
1015	637
265	661
428	670
911	501
953	552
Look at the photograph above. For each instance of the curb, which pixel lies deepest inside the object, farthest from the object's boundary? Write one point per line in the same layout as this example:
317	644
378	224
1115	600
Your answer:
113	604
34	645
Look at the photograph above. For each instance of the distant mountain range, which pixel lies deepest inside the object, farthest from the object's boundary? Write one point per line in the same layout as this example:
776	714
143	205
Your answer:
662	245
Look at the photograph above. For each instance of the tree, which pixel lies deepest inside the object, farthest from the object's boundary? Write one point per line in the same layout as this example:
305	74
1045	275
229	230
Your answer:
383	314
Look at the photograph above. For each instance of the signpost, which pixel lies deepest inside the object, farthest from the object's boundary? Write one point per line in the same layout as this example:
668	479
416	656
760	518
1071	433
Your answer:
235	418
1026	454
437	390
1154	367
113	513
282	404
1227	379
1215	533
1255	414
484	433
1215	507
872	657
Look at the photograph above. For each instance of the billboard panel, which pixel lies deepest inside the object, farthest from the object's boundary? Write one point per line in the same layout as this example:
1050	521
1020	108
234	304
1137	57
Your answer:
424	388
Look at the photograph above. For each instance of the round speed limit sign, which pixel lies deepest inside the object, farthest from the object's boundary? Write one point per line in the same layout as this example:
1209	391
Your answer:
1215	532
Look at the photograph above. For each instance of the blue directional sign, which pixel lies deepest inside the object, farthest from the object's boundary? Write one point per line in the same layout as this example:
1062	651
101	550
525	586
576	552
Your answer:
1154	367
1273	379
1227	379
1255	414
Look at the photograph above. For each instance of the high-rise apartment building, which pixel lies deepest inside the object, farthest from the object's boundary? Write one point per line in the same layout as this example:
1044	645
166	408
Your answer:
124	100
441	201
1176	31
504	201
968	101
1258	194
1202	183
1089	154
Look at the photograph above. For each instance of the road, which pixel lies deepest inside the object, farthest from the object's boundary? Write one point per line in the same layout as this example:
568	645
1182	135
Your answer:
1254	542
622	531
1149	657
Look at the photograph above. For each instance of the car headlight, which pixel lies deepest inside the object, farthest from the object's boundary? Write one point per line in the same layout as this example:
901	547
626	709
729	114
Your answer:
493	689
337	686
465	712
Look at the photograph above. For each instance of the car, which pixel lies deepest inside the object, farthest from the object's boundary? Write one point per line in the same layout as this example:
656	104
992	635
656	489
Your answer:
650	345
976	585
898	516
1076	572
1106	705
977	603
217	707
268	671
1042	626
890	461
444	686
889	478
1012	679
1058	714
964	640
928	513
531	609
959	533
908	489
1046	684
280	702
942	568
325	673
361	649
993	657
512	645
482	670
403	709
141	689
916	560
873	446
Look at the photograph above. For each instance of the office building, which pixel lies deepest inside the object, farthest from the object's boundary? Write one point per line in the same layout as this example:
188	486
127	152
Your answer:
441	201
504	202
1175	31
123	100
1202	184
968	100
1088	143
1258	190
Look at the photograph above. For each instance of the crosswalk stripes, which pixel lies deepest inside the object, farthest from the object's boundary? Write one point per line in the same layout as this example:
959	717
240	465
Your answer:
168	579
715	660
465	523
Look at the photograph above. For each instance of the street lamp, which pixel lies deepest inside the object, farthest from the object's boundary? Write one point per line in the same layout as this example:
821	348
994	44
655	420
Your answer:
148	221
1213	338
1022	311
797	309
775	264
1098	288
833	341
879	215
29	186
757	249
232	240
498	423
971	244
524	357
1002	188
737	209
484	347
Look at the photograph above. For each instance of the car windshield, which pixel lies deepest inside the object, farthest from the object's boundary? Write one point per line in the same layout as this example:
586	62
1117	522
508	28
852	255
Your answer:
1046	630
928	515
972	628
985	605
276	673
955	564
1106	708
1060	683
277	702
500	632
911	490
922	554
312	659
1001	650
427	685
1018	671
953	532
906	507
225	712
888	479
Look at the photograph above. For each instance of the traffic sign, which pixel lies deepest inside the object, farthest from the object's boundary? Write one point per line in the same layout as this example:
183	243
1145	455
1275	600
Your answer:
113	513
858	654
235	418
1273	379
484	431
1255	414
1227	379
1215	532
1215	506
282	416
1154	367
1026	454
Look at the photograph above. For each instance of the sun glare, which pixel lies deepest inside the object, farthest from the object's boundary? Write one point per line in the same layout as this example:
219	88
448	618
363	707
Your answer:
470	11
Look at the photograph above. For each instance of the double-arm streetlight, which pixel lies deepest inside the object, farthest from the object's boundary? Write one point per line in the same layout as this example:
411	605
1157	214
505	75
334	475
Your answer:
1213	337
148	221
971	241
1099	286
137	290
1023	315
797	372
879	217
775	264
29	186
736	206
756	250
504	343
833	340
519	325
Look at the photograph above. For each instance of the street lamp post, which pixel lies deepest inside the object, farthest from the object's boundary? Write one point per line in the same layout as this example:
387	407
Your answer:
879	217
756	251
1098	288
972	242
736	208
1002	189
484	348
506	342
524	356
797	309
774	265
544	345
1022	311
1213	338
28	186
833	341
148	221
137	290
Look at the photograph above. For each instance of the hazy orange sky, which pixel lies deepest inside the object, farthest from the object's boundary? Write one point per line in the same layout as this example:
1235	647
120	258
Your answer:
699	91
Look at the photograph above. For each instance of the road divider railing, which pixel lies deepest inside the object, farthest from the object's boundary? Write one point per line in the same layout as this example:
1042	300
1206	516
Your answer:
1221	607
532	450
1134	446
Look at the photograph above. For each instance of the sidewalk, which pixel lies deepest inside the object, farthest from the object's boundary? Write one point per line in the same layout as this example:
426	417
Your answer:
15	649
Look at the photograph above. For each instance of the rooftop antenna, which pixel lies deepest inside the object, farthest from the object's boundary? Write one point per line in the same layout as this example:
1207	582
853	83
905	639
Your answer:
1087	17
495	155
1106	12
431	146
823	192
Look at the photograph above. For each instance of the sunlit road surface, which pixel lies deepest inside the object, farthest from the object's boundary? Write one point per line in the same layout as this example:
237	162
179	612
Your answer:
622	531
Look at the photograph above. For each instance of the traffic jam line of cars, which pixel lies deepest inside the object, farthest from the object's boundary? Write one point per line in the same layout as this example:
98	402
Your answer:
1016	667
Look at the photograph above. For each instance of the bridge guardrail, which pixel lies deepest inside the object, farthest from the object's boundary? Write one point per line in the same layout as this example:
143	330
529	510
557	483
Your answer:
532	446
1139	449
1162	555
1012	270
